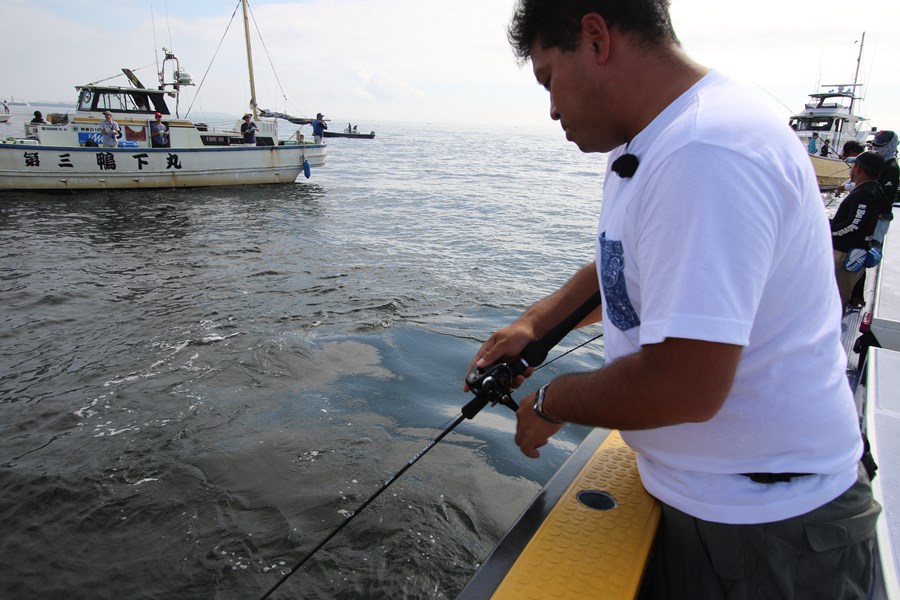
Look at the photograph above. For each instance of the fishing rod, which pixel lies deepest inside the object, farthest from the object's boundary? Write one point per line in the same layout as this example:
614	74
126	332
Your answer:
490	385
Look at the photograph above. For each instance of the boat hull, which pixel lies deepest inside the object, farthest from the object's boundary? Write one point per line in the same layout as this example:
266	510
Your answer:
830	172
37	167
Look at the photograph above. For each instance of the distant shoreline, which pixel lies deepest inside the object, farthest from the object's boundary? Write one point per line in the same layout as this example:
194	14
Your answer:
59	104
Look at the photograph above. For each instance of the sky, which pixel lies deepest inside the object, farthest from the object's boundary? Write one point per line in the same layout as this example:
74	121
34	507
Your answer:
422	60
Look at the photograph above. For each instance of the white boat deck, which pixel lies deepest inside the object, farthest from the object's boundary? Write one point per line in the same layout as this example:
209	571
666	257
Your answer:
883	430
886	312
881	410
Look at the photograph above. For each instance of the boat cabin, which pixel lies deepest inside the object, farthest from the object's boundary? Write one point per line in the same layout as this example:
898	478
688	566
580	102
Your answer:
120	100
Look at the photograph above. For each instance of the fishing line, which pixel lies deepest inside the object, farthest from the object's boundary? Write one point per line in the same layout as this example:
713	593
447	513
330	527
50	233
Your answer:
491	385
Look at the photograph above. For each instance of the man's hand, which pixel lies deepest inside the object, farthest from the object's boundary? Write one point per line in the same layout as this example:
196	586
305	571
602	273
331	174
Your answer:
532	432
506	343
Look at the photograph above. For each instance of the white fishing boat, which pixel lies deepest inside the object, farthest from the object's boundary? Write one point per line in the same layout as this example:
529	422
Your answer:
4	117
830	114
66	152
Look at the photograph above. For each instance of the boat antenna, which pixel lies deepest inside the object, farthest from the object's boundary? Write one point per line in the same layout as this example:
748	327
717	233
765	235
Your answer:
249	61
853	98
155	47
168	24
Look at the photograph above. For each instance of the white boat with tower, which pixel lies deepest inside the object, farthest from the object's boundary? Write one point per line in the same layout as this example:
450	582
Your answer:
831	114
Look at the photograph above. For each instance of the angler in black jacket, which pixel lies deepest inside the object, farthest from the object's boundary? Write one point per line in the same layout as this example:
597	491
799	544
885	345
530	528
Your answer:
856	217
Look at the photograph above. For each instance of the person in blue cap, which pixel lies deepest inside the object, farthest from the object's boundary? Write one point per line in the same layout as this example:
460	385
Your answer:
319	126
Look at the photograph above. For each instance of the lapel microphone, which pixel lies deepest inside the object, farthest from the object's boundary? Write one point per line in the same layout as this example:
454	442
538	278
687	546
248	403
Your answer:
625	165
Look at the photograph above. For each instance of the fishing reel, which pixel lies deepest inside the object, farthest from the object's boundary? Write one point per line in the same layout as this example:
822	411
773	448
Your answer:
493	384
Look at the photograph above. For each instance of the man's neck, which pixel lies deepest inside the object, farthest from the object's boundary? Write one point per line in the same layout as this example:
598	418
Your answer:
656	78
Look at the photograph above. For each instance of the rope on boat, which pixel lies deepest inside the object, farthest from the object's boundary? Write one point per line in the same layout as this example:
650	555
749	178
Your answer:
216	53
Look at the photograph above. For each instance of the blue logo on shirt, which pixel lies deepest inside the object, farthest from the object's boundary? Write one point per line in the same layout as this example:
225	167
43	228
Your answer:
619	310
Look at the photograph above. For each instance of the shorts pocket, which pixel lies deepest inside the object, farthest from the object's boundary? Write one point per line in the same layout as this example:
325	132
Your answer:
847	531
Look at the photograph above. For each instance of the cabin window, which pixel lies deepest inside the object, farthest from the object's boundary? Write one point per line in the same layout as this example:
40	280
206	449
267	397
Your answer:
85	98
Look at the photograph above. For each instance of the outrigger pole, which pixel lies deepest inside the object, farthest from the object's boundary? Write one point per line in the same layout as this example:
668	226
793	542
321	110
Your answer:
493	385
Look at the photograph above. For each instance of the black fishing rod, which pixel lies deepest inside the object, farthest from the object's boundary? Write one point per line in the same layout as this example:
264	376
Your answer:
491	385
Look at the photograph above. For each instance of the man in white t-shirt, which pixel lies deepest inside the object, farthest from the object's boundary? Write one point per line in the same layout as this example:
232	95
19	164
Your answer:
724	366
110	130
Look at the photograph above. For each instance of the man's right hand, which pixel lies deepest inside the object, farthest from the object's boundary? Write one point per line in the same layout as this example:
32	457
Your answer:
505	343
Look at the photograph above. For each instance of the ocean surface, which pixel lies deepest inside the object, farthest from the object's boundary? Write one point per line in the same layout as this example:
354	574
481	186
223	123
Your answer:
198	386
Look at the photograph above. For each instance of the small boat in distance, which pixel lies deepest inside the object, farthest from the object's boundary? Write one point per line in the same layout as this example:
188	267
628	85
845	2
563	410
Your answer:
830	114
4	117
65	152
349	134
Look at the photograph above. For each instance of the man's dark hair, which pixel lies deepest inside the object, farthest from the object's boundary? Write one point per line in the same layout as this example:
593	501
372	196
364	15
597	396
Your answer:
852	147
558	22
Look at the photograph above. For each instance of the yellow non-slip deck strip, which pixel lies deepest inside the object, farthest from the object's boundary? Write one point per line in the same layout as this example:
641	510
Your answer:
581	552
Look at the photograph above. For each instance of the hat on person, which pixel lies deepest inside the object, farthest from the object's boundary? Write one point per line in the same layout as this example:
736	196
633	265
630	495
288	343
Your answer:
882	138
320	116
870	162
158	115
106	112
247	116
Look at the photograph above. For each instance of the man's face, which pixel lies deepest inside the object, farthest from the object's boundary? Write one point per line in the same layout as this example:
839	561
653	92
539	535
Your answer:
577	99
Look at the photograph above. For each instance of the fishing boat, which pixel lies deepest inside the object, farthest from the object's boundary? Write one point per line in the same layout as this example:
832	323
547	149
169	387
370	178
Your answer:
67	154
4	117
349	134
830	114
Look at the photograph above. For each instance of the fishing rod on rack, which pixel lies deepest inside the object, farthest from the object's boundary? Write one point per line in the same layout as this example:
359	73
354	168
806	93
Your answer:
490	385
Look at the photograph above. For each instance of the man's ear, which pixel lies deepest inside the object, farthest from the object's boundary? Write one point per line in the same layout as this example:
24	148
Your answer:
595	31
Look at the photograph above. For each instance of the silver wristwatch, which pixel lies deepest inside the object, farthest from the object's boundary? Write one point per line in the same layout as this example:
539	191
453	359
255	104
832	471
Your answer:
539	407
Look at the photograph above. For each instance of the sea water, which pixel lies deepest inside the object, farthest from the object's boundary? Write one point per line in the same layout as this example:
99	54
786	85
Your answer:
198	385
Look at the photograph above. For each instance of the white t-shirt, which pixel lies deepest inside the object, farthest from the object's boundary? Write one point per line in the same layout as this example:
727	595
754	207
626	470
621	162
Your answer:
721	235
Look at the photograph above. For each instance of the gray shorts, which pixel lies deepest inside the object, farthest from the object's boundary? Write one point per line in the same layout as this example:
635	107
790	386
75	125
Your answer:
825	553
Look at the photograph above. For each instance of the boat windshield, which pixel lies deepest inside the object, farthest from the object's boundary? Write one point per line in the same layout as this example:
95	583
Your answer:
821	124
122	101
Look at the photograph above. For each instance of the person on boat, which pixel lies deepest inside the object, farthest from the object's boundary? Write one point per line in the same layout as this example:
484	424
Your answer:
885	144
38	118
109	130
856	218
5	107
826	148
848	154
355	130
349	128
249	129
724	366
813	144
159	132
319	126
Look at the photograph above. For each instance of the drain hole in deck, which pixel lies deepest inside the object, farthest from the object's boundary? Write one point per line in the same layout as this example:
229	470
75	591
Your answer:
596	499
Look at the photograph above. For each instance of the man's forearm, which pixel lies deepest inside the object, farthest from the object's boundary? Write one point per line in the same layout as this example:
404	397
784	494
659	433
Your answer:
676	381
545	314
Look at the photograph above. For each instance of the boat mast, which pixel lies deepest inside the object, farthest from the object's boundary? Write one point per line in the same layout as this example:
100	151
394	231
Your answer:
249	60
853	98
